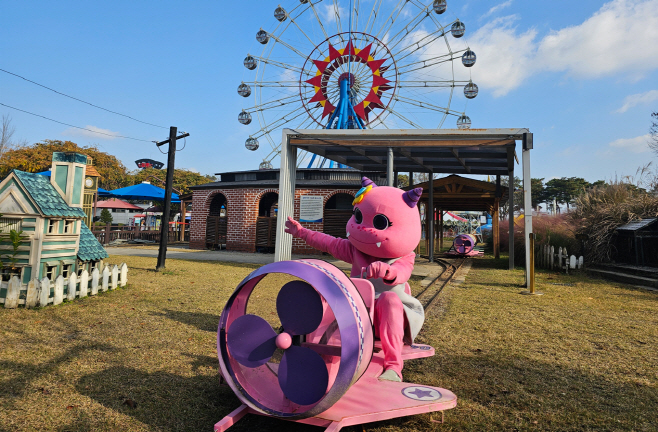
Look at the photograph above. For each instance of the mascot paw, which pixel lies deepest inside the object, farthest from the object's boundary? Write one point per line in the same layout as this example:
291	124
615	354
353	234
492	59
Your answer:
293	227
390	375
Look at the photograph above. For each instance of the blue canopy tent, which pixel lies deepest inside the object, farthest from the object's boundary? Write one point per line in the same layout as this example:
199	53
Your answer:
144	192
103	193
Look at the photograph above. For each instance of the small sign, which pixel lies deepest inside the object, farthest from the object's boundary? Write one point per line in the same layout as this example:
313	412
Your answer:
310	208
148	163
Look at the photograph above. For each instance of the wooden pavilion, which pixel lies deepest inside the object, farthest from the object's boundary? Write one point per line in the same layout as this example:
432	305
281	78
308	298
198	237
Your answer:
433	151
457	193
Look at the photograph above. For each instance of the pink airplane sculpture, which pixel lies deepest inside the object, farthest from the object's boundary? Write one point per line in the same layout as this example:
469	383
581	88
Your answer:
330	361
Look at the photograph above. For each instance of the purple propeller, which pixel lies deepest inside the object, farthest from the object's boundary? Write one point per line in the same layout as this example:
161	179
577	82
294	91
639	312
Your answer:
302	375
252	340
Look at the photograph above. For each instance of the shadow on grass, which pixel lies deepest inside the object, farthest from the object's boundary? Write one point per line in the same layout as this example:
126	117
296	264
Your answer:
171	402
200	320
18	376
495	393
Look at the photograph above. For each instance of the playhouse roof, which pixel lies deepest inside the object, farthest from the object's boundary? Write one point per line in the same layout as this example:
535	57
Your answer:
90	249
49	201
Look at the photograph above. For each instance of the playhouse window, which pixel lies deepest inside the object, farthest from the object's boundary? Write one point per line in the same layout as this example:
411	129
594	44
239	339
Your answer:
8	224
81	267
66	270
69	227
51	272
52	226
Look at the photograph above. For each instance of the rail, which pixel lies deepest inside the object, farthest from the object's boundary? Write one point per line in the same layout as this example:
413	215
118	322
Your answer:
177	232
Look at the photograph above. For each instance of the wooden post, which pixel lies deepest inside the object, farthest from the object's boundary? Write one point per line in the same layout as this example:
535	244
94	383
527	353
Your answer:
495	226
442	214
527	199
106	237
531	268
164	226
182	224
430	208
287	177
389	167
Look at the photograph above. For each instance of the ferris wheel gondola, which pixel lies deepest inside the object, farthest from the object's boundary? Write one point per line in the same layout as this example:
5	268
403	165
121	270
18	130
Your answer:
334	64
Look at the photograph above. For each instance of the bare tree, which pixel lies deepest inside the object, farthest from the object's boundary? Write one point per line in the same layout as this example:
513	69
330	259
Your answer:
6	135
653	131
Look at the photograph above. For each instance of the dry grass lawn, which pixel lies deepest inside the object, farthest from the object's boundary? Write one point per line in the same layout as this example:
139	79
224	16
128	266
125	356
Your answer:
143	358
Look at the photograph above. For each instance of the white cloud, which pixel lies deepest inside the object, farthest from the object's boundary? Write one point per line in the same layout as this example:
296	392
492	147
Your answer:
329	13
635	145
93	132
638	99
620	38
504	57
496	8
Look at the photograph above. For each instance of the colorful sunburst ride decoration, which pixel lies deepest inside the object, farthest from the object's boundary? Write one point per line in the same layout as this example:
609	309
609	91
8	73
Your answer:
365	70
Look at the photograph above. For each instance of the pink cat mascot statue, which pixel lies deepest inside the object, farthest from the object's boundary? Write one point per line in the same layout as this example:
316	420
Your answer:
381	237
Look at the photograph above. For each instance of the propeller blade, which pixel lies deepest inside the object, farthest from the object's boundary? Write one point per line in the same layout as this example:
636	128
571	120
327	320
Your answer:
299	307
251	340
303	375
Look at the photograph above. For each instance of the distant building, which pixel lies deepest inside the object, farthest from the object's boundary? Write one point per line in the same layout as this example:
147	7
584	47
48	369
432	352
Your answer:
50	212
239	211
122	212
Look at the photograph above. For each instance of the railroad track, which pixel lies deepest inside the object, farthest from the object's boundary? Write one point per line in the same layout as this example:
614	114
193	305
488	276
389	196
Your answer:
430	295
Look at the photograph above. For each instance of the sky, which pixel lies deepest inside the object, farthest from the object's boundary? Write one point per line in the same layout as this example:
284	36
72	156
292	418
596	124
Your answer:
581	75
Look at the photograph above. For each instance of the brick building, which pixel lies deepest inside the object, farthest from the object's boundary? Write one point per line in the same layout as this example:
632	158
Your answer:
238	212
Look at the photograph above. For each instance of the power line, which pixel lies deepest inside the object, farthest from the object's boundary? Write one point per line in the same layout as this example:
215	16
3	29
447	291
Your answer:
77	127
80	100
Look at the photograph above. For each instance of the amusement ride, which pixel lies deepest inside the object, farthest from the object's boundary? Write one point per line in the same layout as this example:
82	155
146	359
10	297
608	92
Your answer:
336	65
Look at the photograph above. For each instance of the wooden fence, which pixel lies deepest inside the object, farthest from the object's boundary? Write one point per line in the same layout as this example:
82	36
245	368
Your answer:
548	257
44	292
109	234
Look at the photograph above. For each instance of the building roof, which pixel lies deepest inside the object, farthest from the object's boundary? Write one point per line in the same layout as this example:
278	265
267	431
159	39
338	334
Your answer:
449	151
115	203
459	193
91	171
637	225
90	249
306	177
49	201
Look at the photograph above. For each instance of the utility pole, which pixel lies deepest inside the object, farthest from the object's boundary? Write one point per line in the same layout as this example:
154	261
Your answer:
169	184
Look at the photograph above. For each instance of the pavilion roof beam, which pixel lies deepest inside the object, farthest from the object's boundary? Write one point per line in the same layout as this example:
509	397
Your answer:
461	161
321	152
417	160
379	160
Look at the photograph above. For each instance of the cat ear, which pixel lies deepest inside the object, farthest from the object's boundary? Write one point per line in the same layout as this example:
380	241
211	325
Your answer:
365	181
411	197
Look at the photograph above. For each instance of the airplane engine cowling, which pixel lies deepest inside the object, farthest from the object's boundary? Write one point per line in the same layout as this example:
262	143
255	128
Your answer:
327	341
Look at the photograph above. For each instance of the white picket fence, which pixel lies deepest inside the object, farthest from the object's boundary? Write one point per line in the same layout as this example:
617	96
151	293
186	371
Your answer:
38	292
548	258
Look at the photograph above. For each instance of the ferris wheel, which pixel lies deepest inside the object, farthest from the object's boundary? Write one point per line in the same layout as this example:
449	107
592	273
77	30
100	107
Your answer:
337	65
